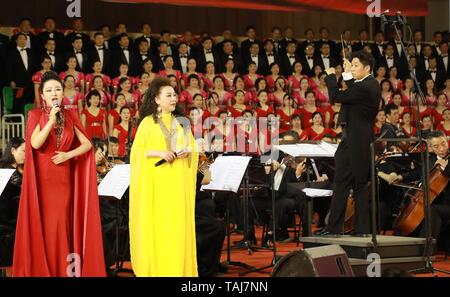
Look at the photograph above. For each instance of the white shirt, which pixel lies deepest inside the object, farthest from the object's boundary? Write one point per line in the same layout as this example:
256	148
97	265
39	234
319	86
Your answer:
52	57
101	54
399	48
270	59
433	74
418	48
310	62
390	61
291	58
278	177
24	55
209	56
427	64
183	61
79	58
255	59
380	49
326	61
28	40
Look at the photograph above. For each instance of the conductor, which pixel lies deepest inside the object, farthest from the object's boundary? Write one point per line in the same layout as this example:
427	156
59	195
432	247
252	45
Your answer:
360	103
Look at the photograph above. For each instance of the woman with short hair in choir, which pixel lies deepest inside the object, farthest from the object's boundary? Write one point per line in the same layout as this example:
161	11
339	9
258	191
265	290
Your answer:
441	105
105	97
169	70
147	66
317	131
380	119
73	99
97	68
263	107
132	99
300	95
46	63
424	110
144	82
219	88
193	88
162	197
407	127
77	75
123	73
191	66
339	70
314	81
260	85
251	77
229	75
380	74
446	91
295	78
212	104
285	113
273	76
397	84
208	78
114	113
121	132
247	134
296	121
397	100
199	102
322	97
386	91
276	98
239	106
239	85
93	117
309	108
59	218
427	124
174	83
430	92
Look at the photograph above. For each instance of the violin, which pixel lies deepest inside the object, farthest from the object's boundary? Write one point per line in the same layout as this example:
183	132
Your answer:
204	162
349	218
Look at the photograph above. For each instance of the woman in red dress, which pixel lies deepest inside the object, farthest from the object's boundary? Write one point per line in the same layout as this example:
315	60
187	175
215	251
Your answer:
309	108
276	98
193	87
407	127
72	100
294	79
168	61
58	227
208	78
89	78
441	105
239	107
229	75
144	82
131	99
191	66
93	118
225	98
71	70
317	131
263	108
123	72
105	97
296	121
397	84
121	131
286	112
212	104
114	114
251	77
272	78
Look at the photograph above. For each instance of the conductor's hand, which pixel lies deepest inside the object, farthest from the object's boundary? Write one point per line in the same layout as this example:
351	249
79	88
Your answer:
60	157
330	71
347	66
168	156
276	165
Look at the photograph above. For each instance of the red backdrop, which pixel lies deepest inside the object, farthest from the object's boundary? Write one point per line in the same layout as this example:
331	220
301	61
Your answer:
407	7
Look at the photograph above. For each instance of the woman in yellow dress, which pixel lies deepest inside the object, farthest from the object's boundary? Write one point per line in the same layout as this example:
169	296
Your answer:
162	198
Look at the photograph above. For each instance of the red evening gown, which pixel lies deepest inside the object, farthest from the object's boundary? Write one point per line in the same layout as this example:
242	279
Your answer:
59	208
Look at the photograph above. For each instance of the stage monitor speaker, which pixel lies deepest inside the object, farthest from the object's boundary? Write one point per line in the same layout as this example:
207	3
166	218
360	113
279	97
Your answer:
324	261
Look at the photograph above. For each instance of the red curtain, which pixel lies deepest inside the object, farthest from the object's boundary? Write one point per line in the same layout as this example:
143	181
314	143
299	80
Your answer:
407	7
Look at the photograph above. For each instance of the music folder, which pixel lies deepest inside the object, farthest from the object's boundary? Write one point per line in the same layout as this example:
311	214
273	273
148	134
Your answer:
116	182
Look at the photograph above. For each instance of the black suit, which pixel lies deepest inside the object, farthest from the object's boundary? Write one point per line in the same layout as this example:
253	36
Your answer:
153	44
60	63
245	47
398	62
360	45
21	76
4	43
237	63
139	59
359	108
377	50
201	61
261	66
307	70
158	63
85	63
284	43
118	57
445	66
320	62
57	36
35	45
177	65
94	56
439	78
285	64
266	64
87	43
334	51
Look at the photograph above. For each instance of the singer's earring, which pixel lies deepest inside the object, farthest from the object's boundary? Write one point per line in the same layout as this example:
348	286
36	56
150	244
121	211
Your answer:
158	110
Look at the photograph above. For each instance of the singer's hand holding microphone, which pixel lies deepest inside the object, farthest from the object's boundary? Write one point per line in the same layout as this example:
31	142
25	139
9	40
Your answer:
169	156
54	112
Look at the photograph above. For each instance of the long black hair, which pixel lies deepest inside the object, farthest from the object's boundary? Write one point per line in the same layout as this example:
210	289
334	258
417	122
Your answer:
8	158
149	105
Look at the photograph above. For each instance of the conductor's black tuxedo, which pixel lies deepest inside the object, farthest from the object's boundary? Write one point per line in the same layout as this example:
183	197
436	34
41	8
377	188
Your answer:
352	159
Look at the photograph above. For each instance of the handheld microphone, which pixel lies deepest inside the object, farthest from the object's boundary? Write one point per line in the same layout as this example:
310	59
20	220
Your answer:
162	161
58	115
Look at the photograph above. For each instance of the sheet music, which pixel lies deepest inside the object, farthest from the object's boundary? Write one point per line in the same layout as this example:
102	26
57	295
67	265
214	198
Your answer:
310	192
227	173
116	182
5	175
308	150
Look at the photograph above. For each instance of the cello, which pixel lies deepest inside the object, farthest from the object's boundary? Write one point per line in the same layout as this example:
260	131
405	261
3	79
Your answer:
412	212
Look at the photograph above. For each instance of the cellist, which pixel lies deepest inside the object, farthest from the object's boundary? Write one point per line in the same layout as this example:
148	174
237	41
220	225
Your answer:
440	208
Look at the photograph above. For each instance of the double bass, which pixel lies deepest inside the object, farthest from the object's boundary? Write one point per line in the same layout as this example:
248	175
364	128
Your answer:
412	211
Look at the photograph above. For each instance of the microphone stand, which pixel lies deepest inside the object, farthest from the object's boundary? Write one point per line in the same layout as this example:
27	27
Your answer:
424	156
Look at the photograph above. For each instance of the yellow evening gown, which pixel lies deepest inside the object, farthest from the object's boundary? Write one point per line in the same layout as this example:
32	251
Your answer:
162	204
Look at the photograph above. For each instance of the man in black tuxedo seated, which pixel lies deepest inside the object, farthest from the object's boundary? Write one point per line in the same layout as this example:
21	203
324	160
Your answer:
440	208
210	231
